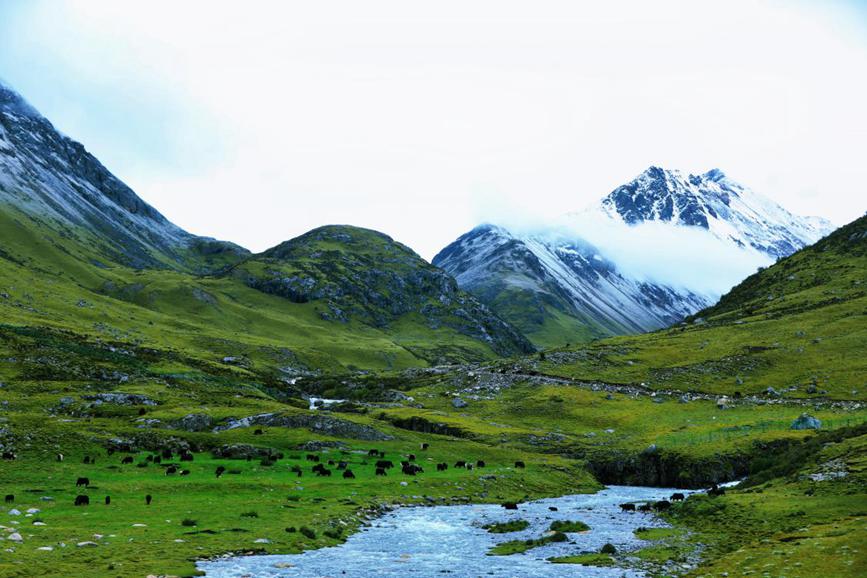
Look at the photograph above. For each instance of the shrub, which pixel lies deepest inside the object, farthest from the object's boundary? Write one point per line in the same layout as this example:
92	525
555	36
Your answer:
188	522
307	532
608	549
250	514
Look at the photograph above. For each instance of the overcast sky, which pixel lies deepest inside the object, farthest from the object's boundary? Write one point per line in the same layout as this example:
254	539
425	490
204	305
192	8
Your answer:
256	121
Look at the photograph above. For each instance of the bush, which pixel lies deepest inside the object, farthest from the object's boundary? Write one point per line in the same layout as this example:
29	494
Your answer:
188	522
608	549
291	529
307	532
334	534
250	514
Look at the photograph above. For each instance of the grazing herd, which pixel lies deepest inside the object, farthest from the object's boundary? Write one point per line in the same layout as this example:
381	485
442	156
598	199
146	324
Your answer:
381	467
664	505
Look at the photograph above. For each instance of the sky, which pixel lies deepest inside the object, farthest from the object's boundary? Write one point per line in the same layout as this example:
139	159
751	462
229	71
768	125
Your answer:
257	121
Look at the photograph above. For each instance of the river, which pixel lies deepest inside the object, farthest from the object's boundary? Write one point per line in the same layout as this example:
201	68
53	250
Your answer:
449	541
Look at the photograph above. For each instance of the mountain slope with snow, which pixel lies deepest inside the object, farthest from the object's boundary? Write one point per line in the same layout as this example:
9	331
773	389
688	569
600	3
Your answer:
712	201
50	179
566	284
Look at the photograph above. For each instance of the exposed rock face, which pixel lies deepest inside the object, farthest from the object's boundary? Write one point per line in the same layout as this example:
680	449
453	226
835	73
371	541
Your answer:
52	178
666	469
714	202
316	423
194	422
358	274
242	452
118	398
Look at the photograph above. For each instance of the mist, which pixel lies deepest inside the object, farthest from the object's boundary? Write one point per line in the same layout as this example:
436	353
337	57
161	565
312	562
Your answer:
676	256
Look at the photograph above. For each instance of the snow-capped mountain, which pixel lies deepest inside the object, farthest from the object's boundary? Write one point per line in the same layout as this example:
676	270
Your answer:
712	201
52	179
559	286
559	290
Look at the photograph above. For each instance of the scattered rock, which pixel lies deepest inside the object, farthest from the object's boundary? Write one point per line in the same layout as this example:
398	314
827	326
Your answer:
15	537
87	544
458	403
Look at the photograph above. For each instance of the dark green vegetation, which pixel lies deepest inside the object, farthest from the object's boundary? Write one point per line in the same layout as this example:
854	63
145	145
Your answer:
507	527
568	526
521	546
585	560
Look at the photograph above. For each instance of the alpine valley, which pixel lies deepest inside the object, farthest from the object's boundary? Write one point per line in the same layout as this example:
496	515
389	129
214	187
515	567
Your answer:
168	399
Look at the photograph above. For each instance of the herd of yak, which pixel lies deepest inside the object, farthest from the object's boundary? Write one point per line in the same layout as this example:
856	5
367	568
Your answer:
381	467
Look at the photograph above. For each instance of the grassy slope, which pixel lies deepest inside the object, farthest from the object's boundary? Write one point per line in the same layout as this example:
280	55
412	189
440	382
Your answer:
51	281
796	324
789	525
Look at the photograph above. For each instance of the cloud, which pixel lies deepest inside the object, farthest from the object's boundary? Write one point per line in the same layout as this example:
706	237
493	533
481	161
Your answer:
258	122
677	256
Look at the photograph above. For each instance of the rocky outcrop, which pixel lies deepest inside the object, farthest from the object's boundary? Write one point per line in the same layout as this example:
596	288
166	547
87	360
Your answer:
118	398
655	467
420	424
317	423
243	452
194	422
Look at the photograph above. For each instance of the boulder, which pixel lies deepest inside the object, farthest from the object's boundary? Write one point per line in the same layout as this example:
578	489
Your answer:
458	403
806	421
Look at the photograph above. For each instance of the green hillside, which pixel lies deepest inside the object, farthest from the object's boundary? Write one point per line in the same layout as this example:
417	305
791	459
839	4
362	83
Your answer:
798	327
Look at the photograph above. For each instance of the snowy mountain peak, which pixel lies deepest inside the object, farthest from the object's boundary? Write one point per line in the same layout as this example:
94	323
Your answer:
712	201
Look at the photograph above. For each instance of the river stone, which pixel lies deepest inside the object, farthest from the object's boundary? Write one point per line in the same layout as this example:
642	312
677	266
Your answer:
806	421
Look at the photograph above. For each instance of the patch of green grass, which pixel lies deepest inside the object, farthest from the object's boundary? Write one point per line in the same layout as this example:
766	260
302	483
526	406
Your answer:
585	560
658	533
507	527
568	527
521	546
